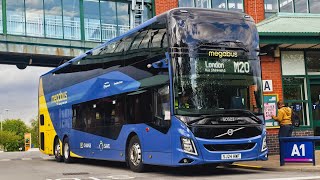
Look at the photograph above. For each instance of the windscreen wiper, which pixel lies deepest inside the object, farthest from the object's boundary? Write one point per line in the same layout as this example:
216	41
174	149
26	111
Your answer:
200	118
236	42
213	44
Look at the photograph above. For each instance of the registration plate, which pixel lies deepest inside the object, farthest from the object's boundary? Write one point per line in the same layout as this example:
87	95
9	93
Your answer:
231	156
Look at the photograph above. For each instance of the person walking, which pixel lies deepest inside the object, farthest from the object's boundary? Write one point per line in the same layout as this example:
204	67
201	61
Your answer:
284	119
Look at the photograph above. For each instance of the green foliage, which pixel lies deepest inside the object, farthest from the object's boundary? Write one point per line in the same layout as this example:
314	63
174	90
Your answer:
15	125
12	136
9	140
34	130
17	129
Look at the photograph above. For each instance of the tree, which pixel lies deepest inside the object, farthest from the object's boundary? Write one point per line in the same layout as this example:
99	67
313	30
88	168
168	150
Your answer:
9	140
34	130
17	127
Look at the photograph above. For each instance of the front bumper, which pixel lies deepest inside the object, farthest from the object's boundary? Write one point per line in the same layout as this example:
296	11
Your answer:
206	156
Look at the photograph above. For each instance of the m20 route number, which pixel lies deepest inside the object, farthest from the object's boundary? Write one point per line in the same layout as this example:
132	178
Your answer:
241	67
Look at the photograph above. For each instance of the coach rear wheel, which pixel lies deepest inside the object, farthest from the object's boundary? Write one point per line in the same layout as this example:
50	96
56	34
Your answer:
134	155
57	151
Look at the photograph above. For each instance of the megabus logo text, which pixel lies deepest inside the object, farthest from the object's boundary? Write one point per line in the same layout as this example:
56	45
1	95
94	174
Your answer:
60	98
222	54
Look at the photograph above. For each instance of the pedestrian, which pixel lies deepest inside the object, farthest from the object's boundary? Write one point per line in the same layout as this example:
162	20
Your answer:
284	119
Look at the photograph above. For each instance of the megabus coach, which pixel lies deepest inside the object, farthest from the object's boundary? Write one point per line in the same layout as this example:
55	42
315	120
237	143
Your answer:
184	88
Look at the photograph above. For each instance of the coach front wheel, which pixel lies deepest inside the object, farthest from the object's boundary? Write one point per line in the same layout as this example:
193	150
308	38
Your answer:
66	151
134	155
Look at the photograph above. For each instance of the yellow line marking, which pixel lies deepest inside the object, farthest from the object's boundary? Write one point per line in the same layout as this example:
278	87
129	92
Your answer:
245	165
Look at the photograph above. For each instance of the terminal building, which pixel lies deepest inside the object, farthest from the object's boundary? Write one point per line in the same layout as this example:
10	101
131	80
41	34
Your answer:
47	33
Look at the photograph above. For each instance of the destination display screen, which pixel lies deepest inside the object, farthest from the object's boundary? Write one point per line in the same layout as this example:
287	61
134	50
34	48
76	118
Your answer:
223	65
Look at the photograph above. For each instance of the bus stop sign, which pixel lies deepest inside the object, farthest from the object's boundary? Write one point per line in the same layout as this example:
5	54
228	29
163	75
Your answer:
298	149
298	152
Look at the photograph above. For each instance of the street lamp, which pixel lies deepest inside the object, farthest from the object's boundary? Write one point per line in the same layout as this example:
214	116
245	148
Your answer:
1	120
6	110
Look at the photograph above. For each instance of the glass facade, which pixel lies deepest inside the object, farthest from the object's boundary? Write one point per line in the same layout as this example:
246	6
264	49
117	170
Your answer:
186	3
314	6
123	17
301	83
286	6
312	62
272	7
89	20
233	5
1	23
16	17
71	19
108	19
301	6
92	25
34	18
53	19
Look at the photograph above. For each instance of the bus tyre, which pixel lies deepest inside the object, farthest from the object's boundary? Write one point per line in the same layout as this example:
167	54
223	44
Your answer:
66	151
134	156
57	151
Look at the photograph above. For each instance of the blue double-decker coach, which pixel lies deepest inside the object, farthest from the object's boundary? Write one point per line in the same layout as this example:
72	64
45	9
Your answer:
184	88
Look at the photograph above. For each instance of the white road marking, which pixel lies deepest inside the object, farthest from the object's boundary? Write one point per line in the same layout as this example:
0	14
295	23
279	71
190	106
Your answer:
5	159
113	177
293	178
26	159
46	158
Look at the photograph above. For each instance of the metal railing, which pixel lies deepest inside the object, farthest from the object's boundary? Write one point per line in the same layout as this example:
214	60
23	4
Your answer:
69	28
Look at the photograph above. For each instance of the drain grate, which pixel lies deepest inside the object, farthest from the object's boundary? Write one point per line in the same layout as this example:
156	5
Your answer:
75	173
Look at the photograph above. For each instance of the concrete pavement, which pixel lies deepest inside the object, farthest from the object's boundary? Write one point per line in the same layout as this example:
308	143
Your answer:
273	164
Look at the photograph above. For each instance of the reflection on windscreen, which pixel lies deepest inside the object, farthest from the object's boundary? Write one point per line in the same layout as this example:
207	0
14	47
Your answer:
203	85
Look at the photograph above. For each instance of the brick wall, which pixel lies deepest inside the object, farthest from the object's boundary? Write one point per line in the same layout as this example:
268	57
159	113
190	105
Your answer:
255	8
273	140
271	70
165	5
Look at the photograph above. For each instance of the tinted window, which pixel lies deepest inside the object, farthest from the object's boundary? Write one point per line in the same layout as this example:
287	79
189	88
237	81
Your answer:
41	119
139	106
42	141
103	117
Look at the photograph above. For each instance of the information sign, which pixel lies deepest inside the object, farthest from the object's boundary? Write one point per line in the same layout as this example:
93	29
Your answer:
270	108
298	151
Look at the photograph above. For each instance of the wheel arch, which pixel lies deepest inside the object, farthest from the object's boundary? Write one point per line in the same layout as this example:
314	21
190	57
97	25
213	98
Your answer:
132	134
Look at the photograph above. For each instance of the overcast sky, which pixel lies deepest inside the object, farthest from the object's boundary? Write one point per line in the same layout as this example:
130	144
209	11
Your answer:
19	92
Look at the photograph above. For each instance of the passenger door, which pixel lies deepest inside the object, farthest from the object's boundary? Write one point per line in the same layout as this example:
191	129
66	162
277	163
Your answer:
157	137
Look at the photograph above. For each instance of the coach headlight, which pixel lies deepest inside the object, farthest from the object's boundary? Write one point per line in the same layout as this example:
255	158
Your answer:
188	146
264	146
